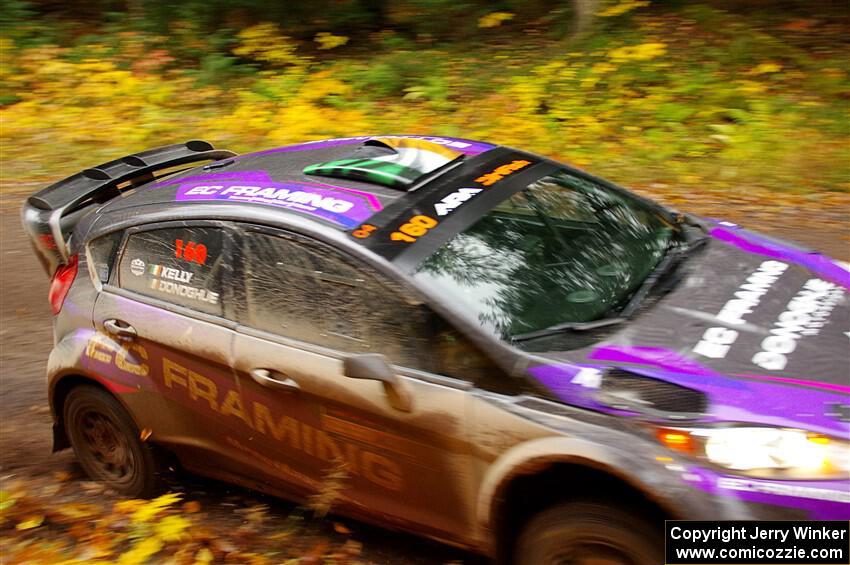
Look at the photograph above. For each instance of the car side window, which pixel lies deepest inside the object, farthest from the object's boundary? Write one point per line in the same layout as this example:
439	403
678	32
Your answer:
102	252
308	291
178	265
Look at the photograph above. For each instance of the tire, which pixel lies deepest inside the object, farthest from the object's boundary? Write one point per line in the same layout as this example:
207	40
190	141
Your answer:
589	533
107	443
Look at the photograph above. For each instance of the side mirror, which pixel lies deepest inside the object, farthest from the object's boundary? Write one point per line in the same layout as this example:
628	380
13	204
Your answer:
374	367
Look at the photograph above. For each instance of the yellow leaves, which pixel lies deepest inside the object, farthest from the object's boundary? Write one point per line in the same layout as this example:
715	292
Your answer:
150	509
494	19
265	44
30	523
329	41
765	68
621	8
43	528
322	84
141	552
7	500
172	528
602	68
204	556
527	93
589	82
642	52
751	87
128	506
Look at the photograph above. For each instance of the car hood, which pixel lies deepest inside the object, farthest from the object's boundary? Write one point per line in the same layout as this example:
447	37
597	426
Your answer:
761	327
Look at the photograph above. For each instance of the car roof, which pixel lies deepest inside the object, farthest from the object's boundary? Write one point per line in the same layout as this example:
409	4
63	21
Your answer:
270	187
341	203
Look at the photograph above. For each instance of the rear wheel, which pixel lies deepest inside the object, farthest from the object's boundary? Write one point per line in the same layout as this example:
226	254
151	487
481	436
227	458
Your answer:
108	445
588	533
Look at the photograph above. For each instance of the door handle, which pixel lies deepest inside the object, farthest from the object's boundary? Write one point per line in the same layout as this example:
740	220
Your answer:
120	328
274	379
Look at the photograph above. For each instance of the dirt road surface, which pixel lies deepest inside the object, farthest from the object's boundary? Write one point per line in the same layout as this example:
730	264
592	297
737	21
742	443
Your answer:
26	340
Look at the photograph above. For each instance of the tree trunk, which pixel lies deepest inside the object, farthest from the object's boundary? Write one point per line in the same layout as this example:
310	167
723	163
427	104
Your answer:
583	14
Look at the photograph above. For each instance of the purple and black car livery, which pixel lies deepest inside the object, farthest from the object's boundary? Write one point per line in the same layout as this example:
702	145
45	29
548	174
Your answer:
497	350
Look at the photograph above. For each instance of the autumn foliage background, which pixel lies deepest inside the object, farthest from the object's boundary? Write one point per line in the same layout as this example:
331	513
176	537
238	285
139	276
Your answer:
724	100
691	95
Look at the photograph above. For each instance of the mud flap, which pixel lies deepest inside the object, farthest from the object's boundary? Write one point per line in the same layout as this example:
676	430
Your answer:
60	439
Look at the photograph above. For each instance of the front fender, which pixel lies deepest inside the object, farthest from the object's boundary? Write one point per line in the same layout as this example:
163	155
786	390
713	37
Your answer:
630	459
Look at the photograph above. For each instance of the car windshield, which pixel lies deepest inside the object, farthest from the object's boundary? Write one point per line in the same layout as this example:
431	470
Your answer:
565	249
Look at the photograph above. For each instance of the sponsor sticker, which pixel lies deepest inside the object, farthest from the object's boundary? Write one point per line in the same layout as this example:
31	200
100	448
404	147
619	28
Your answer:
262	419
716	341
171	280
137	267
455	199
342	206
502	171
416	227
806	314
190	251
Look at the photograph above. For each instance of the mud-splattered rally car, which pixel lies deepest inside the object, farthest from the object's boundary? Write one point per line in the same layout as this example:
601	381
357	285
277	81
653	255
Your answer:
501	351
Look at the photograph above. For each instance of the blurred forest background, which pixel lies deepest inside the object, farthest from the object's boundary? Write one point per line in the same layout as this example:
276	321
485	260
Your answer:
710	95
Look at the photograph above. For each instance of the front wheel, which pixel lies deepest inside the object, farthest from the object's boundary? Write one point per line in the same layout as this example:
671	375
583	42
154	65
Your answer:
588	533
107	443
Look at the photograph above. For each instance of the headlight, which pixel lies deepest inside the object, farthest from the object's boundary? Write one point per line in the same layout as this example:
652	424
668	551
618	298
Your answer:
764	452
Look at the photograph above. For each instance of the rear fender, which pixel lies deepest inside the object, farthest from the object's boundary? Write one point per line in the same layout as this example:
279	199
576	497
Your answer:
87	355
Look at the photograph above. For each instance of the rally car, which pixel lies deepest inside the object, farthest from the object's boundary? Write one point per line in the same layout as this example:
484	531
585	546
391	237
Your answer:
495	349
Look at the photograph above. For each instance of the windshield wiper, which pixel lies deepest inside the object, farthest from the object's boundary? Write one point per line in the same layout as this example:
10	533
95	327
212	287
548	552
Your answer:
568	327
673	256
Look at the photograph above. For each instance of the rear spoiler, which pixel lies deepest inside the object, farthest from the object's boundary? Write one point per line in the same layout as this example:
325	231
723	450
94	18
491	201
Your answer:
49	215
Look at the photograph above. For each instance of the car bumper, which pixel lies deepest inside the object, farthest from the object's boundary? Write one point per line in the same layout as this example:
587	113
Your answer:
744	498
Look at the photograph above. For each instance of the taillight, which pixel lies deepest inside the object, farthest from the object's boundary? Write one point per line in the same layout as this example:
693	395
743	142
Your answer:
63	278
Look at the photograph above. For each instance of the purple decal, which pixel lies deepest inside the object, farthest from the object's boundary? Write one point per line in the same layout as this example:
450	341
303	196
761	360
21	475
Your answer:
465	146
656	356
819	264
731	399
120	367
760	403
800	382
241	176
343	206
824	500
560	380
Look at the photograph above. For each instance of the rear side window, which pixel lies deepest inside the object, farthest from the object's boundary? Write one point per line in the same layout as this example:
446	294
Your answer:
102	252
178	265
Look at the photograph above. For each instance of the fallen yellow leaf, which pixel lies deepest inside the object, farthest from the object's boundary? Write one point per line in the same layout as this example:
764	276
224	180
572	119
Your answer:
32	522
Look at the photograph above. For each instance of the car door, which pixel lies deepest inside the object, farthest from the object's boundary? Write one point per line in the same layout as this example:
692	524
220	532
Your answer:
161	316
306	307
